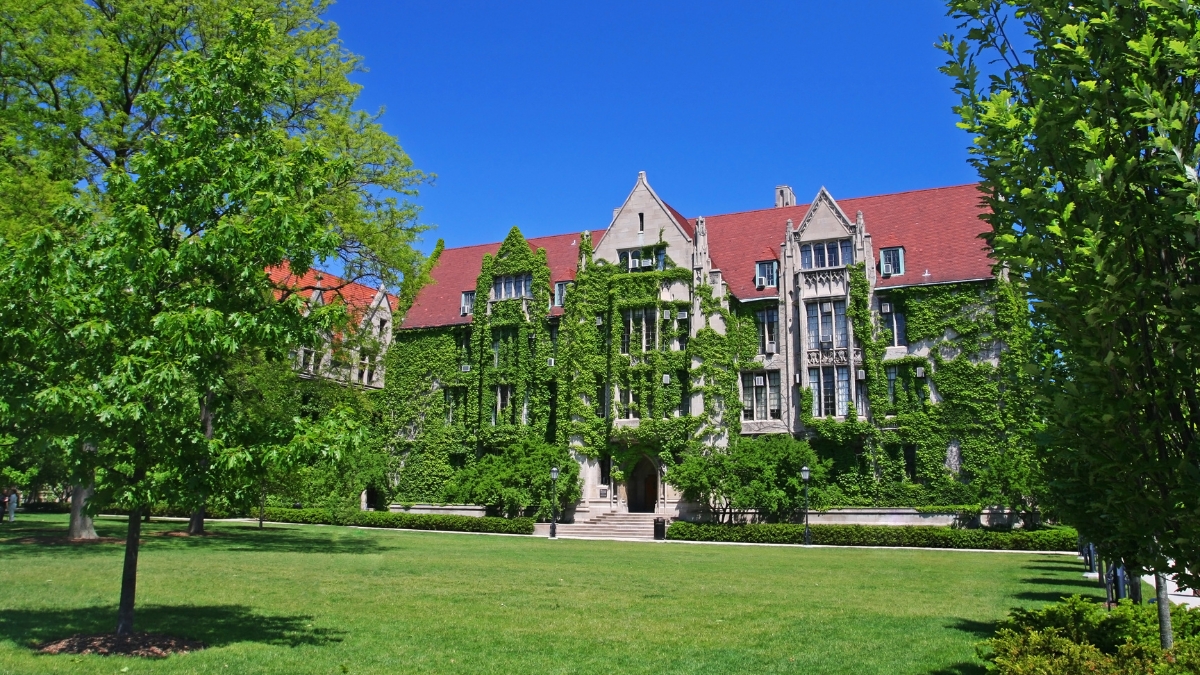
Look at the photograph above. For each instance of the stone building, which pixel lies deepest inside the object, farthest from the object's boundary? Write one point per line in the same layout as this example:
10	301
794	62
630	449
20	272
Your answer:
358	359
657	331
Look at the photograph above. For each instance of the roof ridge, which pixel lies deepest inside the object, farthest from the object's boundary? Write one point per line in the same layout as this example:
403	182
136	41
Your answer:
841	199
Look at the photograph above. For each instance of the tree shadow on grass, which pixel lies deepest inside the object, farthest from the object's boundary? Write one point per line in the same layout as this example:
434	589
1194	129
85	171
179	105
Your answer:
1043	596
214	625
1072	566
980	629
964	668
50	539
1048	581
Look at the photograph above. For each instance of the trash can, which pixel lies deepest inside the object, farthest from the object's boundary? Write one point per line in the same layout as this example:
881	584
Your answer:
660	528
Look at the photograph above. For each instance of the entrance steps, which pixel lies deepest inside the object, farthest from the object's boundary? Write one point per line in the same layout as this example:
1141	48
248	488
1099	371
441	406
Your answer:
613	526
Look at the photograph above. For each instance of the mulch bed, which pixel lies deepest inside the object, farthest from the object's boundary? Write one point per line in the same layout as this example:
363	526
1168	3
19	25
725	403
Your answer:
149	645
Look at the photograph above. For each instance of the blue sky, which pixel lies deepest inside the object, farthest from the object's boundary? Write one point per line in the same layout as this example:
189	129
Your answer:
541	114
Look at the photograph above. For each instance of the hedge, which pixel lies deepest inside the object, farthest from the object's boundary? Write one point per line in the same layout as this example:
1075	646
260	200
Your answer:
1047	539
407	521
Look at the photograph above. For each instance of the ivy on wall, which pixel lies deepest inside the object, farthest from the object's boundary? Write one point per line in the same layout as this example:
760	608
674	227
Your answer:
456	393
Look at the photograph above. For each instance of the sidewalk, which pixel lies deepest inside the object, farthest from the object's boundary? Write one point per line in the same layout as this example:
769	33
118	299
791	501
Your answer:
1177	596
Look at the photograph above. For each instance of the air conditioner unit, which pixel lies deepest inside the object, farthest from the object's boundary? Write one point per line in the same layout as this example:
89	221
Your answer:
885	307
550	362
827	307
666	378
826	342
886	268
681	314
666	315
465	368
861	374
462	311
760	282
920	371
771	348
758	380
798	378
599	321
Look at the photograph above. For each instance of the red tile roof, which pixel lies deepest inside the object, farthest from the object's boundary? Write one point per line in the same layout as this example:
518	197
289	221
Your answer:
688	226
939	229
437	304
358	296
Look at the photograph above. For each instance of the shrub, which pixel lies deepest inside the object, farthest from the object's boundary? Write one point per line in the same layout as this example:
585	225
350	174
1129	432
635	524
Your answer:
46	507
517	480
1048	539
407	521
1079	635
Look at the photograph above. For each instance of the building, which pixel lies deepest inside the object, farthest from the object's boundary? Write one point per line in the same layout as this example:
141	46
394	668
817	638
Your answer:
357	357
662	332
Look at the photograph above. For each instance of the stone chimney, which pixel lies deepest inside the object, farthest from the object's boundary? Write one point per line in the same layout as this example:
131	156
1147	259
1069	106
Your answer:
784	196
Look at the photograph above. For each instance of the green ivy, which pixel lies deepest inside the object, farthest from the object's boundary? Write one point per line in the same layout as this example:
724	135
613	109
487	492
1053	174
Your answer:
986	408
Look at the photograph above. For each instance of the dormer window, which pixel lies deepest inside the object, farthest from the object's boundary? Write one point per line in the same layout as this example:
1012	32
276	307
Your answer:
467	304
891	261
766	274
827	254
560	293
512	286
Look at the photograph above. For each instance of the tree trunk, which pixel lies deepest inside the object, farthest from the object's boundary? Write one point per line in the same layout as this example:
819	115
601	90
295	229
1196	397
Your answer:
262	505
1166	637
129	573
81	523
196	524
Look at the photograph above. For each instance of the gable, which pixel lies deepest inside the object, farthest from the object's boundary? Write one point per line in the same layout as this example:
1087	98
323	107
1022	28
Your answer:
824	220
640	221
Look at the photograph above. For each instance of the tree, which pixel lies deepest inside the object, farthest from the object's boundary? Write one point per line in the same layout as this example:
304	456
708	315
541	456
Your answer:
131	325
74	80
517	479
1085	138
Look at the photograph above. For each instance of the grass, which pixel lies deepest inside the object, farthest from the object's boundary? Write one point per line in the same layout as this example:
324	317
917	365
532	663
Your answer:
310	599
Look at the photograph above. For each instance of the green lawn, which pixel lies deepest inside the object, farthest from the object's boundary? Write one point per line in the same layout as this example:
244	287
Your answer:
306	599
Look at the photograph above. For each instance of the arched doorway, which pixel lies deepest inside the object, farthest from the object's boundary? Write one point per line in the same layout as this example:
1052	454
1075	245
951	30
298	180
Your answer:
642	487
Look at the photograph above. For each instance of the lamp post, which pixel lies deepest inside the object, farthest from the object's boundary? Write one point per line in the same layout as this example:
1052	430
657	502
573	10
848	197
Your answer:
804	474
554	502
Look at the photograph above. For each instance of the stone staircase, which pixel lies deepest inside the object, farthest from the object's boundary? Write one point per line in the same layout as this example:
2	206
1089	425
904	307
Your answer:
612	526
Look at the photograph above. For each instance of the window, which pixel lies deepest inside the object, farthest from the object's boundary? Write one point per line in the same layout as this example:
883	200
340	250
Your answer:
467	304
683	330
601	398
456	404
891	262
685	394
560	293
826	254
760	395
767	273
504	346
827	326
894	325
307	360
639	330
641	222
554	339
910	462
631	401
891	378
860	398
634	260
510	286
366	370
383	325
768	331
830	387
504	412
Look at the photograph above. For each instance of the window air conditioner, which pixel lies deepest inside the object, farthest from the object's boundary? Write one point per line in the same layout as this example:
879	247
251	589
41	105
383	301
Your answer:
920	372
758	380
666	378
886	268
666	315
771	348
462	311
466	368
550	361
826	342
861	374
827	307
798	378
761	282
885	307
599	321
681	314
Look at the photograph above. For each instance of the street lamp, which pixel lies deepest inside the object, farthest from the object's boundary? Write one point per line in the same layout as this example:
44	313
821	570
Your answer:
554	502
804	474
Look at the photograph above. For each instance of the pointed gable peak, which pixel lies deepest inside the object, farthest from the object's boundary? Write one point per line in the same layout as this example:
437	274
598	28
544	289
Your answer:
514	243
824	219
